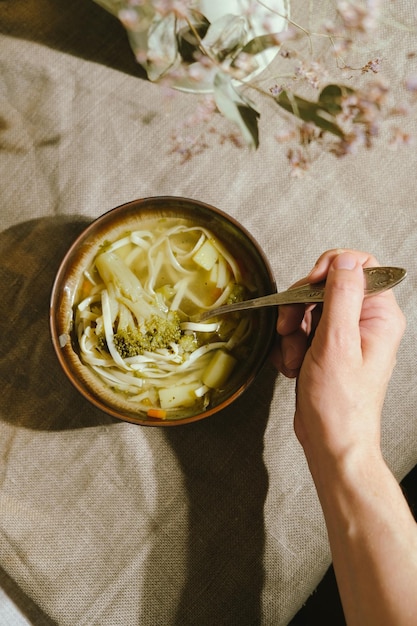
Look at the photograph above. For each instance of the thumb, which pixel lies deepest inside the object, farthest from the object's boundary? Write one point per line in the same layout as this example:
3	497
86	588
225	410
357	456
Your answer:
343	304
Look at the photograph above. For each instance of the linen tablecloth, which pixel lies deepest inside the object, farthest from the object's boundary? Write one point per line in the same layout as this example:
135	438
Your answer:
103	522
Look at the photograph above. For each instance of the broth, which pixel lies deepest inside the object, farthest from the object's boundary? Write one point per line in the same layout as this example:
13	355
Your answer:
134	316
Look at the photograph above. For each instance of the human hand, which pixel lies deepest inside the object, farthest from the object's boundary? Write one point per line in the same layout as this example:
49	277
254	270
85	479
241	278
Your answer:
343	375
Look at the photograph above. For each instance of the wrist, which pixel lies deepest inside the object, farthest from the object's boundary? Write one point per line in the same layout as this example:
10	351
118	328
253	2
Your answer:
348	469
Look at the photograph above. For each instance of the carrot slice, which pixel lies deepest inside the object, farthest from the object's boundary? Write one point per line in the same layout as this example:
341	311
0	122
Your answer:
158	413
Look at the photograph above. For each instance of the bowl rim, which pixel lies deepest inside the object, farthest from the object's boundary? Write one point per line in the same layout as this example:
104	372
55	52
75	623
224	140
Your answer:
59	292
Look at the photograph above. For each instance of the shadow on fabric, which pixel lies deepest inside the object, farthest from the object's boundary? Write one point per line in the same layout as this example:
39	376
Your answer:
80	28
23	603
226	481
221	458
35	393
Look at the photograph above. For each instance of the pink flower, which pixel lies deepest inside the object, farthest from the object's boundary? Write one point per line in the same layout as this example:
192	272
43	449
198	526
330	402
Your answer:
357	17
411	83
372	66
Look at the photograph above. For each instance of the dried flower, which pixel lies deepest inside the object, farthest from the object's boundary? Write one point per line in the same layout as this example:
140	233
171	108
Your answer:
411	83
399	138
178	46
312	72
298	161
288	133
372	66
180	8
275	90
129	18
309	133
358	17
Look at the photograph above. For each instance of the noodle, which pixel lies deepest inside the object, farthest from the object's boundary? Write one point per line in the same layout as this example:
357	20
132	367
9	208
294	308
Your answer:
134	315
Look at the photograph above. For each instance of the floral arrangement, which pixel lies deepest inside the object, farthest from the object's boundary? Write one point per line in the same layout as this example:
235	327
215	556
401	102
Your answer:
324	82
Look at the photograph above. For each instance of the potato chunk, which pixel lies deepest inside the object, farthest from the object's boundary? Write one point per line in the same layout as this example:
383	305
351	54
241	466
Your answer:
219	369
206	256
180	395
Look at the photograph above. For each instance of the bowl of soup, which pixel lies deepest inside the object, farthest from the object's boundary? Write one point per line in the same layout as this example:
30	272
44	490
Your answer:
126	302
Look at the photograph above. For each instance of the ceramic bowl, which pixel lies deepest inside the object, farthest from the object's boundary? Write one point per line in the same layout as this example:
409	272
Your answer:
112	226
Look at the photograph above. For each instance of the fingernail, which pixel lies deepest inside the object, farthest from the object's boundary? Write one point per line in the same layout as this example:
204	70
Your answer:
344	261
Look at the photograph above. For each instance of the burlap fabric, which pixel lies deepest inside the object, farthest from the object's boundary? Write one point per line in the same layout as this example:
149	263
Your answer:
106	523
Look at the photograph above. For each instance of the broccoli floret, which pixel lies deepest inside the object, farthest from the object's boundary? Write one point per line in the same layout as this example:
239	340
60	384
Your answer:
157	332
163	330
101	342
130	342
188	343
238	293
137	321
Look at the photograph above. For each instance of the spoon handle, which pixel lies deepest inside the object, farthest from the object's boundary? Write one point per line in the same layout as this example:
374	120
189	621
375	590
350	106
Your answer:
377	280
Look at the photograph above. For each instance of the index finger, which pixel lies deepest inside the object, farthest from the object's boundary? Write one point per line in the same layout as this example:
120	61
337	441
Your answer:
321	268
290	316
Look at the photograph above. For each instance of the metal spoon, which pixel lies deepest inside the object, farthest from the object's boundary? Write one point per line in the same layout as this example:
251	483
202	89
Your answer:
377	279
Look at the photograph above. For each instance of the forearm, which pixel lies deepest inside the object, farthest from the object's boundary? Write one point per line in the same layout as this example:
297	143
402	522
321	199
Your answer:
343	365
373	539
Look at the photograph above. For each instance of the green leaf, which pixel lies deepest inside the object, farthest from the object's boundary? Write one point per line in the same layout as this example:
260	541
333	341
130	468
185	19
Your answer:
256	47
317	113
188	43
260	44
237	109
331	98
162	46
225	36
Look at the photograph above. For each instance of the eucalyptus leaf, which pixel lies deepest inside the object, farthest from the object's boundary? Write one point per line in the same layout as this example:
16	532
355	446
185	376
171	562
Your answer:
260	44
317	113
225	36
138	41
190	35
112	6
162	46
237	109
256	47
331	97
